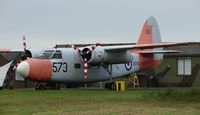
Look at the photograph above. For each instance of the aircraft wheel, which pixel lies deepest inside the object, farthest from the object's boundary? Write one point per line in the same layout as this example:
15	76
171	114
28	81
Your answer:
37	87
42	87
110	85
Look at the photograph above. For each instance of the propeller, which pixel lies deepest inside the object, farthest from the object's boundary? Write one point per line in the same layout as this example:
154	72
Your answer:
25	54
86	55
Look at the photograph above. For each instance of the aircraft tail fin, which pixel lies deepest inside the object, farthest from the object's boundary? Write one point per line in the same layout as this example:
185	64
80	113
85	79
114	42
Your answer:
150	32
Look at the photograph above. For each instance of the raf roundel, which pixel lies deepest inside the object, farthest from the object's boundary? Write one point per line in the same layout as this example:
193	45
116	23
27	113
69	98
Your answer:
128	66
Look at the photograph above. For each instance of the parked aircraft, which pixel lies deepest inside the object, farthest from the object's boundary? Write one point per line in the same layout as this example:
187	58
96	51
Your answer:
96	62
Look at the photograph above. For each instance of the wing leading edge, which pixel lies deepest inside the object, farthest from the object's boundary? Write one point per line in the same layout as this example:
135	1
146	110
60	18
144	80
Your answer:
141	47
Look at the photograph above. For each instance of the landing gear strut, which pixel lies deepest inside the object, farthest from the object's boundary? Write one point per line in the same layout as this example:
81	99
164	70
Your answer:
111	84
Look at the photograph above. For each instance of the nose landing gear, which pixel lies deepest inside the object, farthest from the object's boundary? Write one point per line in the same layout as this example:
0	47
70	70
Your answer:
44	86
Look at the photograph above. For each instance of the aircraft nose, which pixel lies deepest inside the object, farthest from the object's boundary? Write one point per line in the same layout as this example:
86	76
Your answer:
35	69
23	69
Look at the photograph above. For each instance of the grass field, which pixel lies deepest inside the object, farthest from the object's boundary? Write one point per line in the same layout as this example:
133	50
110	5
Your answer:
100	102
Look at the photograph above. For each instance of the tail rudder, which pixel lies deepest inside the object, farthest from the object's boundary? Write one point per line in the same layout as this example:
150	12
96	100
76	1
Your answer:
150	32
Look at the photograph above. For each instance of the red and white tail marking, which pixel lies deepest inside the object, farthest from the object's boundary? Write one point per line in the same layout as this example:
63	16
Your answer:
150	35
146	34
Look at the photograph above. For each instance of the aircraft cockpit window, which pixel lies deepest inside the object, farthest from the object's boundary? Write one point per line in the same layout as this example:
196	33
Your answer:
46	54
57	55
58	51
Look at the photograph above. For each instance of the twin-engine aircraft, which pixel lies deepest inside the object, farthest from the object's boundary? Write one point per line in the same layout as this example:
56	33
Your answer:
93	63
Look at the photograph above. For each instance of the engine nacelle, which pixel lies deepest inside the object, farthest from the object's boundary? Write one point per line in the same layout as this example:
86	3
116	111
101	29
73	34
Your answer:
99	55
118	57
33	52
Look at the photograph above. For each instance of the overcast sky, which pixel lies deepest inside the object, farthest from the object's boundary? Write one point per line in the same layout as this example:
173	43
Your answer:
49	22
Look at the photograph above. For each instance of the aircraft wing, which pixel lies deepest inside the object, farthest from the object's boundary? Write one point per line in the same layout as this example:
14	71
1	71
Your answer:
85	45
139	46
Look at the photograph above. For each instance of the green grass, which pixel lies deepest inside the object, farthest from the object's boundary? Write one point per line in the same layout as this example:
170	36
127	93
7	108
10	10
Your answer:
100	102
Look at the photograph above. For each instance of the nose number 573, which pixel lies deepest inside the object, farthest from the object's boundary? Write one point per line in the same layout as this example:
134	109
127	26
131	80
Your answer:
59	66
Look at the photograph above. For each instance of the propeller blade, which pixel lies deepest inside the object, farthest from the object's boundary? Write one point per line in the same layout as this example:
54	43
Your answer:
24	55
85	68
75	48
24	43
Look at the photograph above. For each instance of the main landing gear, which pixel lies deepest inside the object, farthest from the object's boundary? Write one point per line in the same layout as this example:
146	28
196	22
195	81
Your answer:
43	86
110	85
39	86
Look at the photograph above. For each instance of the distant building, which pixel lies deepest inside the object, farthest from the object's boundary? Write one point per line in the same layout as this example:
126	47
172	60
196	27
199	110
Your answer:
177	70
183	69
12	80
